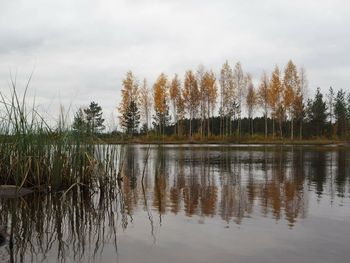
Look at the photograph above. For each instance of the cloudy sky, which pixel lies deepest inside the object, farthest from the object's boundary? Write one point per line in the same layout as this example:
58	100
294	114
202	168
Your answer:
80	50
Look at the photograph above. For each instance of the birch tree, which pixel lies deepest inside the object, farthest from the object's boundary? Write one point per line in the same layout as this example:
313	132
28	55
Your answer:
191	97
227	95
202	103
239	81
251	102
263	97
175	96
129	93
291	85
209	96
161	108
145	104
299	101
275	100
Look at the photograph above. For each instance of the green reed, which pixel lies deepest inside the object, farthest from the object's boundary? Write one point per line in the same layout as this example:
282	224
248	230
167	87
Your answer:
34	154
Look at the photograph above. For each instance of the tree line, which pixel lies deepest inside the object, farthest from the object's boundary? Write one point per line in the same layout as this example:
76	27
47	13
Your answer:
205	105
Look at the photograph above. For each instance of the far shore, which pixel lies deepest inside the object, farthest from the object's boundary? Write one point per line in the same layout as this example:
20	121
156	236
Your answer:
226	141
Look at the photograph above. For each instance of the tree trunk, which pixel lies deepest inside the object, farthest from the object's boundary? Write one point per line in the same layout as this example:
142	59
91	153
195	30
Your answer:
280	122
265	125
227	126
208	116
221	126
190	128
292	129
239	126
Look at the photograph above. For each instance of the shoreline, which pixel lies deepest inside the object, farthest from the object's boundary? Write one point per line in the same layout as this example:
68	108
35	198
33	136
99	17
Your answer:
231	142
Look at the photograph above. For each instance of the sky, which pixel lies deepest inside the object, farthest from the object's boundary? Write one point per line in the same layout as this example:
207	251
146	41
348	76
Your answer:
79	51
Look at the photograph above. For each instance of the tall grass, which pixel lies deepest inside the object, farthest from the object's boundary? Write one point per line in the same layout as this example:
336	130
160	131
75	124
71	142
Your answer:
33	154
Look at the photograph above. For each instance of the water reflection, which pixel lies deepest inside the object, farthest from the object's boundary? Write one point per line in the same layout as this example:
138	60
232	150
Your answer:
233	184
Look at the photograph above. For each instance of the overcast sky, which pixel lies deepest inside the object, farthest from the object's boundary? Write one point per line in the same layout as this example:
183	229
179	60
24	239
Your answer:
80	50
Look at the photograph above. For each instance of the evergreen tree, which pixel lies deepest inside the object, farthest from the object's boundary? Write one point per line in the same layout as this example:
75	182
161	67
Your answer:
348	106
131	119
79	123
94	120
340	113
318	113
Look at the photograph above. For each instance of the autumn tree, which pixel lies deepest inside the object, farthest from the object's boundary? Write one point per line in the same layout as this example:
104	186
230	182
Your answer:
227	97
263	97
145	104
251	101
161	108
181	112
297	111
291	85
202	103
275	99
209	95
299	100
191	97
129	93
239	81
175	96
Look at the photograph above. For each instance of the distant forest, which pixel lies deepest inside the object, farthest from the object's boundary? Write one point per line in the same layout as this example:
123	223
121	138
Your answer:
205	106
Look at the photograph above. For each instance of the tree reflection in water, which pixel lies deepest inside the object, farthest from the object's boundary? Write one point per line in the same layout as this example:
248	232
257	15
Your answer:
232	183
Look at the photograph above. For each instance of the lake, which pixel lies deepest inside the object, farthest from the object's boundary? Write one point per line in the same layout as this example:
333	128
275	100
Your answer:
193	203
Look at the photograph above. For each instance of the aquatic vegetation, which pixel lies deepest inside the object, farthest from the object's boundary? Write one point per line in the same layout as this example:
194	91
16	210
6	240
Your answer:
34	154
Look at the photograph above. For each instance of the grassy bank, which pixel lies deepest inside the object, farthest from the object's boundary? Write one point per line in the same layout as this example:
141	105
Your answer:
109	139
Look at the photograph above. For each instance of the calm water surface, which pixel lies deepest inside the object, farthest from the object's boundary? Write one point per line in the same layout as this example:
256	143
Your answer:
193	204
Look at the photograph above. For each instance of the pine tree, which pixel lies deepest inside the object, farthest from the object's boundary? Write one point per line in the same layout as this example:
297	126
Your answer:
132	119
94	120
318	113
340	113
79	123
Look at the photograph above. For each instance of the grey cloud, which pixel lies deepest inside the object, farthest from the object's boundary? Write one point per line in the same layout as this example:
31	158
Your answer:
82	49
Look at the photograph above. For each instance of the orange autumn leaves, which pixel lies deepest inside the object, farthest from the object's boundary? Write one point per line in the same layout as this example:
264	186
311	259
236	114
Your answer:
199	95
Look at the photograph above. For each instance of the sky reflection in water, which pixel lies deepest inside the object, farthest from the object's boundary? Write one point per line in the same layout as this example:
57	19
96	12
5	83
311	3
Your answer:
194	204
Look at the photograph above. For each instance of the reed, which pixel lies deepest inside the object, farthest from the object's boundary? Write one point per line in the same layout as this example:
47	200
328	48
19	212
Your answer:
33	154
